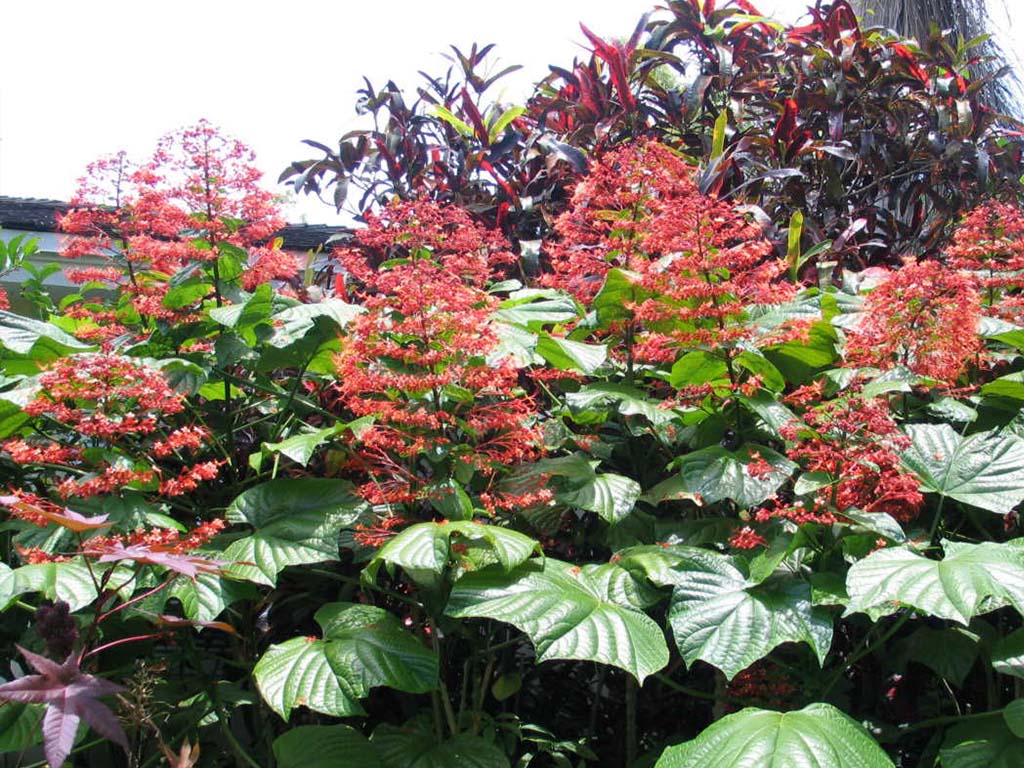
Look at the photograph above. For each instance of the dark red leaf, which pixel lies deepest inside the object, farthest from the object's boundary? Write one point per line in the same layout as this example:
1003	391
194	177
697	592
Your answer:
70	695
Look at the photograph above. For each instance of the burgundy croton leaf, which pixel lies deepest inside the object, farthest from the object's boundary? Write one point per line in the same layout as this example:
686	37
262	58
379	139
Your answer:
70	696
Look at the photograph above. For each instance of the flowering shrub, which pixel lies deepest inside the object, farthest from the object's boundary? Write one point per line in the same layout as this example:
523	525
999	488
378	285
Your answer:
634	496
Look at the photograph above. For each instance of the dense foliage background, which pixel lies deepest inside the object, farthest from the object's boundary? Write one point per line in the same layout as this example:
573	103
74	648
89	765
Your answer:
671	418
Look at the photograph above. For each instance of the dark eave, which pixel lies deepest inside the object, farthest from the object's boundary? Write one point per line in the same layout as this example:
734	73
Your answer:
34	215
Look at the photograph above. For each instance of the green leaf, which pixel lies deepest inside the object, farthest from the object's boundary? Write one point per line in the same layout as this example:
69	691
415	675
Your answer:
38	341
423	550
723	617
301	448
716	473
296	521
799	361
568	355
626	400
532	309
949	653
610	496
621	289
696	368
20	726
818	735
1000	330
971	580
1011	386
293	323
718	134
205	597
984	470
186	294
415	746
69	581
1013	715
247	317
12	418
759	365
984	742
568	612
503	121
796	229
363	647
1007	655
325	746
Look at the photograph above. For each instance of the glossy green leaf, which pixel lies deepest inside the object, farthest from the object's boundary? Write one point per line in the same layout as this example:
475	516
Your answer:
36	339
617	398
68	581
415	746
20	726
621	290
722	616
696	368
984	470
985	742
817	736
568	612
325	746
362	647
1008	654
610	496
423	550
716	473
569	355
293	323
970	580
296	521
205	597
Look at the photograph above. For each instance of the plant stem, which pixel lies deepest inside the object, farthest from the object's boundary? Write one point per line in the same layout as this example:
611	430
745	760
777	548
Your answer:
868	650
631	729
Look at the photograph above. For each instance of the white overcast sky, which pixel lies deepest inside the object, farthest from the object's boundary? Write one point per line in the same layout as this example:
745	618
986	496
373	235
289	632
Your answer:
82	79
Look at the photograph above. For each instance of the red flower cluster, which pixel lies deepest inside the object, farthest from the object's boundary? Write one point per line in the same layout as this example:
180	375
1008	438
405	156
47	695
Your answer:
989	243
700	263
855	442
198	193
163	547
416	359
924	317
115	402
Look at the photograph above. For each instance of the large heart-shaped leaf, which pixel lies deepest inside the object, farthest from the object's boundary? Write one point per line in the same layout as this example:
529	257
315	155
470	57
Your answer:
423	550
818	735
972	579
983	470
296	521
716	473
362	647
415	746
569	612
337	746
721	616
